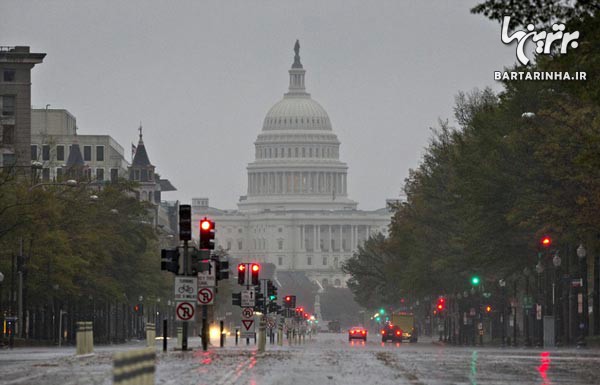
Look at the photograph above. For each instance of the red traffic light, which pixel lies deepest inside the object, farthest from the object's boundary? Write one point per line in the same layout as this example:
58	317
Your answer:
205	224
440	307
546	241
288	298
255	267
241	267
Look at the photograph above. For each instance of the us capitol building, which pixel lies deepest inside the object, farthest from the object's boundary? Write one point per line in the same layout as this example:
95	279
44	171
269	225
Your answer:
297	214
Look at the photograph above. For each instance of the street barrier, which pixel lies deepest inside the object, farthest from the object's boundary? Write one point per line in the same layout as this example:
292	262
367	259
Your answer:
179	338
84	337
150	334
134	367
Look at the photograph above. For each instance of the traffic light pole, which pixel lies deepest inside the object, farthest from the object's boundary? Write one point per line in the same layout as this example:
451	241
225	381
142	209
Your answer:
184	329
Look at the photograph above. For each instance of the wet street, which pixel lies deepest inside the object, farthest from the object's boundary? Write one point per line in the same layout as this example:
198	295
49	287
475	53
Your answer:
326	359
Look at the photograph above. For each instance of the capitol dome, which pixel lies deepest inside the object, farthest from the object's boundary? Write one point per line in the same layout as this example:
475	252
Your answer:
296	112
297	162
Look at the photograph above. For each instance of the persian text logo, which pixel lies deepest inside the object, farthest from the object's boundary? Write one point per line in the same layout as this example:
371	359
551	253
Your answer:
543	40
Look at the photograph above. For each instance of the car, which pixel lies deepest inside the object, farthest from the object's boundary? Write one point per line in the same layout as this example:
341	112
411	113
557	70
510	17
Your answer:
391	332
358	333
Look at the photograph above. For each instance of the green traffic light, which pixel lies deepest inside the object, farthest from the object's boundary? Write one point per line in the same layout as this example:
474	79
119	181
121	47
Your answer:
272	297
382	311
475	280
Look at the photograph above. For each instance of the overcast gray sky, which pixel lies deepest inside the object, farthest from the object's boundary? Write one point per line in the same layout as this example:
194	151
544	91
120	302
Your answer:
201	75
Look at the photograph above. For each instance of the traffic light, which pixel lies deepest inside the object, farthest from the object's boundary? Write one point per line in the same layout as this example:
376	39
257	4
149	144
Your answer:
138	308
169	260
185	222
222	270
382	311
200	262
254	270
207	234
289	301
242	273
260	302
271	291
546	241
488	309
441	304
475	280
236	299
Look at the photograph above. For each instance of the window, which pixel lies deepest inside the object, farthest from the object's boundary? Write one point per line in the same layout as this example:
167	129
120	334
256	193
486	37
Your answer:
144	175
280	261
88	174
60	152
333	244
280	244
114	175
324	261
8	134
136	175
338	282
100	174
45	152
33	152
228	245
87	153
280	230
9	75
240	245
99	153
240	231
59	174
296	152
289	152
8	160
303	152
335	262
309	261
46	174
8	105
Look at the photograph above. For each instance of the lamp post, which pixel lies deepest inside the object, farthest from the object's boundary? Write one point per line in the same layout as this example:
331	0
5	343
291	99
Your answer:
525	309
502	284
1	307
556	261
581	254
539	335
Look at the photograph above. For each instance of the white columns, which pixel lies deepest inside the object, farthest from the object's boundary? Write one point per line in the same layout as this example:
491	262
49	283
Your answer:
341	237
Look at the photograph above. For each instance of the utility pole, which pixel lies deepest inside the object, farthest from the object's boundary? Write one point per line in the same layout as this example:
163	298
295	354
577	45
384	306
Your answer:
184	329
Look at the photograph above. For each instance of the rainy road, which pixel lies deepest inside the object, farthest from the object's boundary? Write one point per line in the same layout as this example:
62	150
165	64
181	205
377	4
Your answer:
327	359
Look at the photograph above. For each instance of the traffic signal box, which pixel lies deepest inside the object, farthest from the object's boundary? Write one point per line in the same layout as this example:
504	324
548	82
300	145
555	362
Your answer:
207	234
254	272
185	222
169	260
289	302
271	291
242	273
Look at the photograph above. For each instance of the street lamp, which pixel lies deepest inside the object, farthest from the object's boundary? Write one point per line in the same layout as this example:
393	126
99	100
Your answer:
526	309
502	284
556	261
581	304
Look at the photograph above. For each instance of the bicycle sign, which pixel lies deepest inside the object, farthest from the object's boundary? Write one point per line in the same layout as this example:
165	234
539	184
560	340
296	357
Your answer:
186	288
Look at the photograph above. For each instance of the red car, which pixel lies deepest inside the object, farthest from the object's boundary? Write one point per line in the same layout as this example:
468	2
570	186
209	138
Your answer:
358	333
391	332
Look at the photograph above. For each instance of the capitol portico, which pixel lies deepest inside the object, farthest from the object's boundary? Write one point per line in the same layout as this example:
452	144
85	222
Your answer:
296	214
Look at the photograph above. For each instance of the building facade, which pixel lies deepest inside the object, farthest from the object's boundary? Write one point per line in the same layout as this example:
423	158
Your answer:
53	133
15	105
296	214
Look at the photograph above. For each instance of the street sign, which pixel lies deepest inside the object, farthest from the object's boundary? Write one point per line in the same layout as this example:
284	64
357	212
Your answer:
578	282
185	311
208	278
206	296
247	321
538	312
185	289
248	298
247	312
